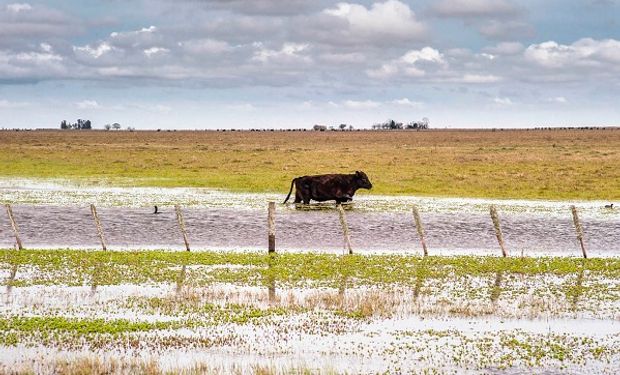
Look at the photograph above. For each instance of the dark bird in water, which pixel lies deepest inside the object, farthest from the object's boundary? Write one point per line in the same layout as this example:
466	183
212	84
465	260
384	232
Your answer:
609	205
156	212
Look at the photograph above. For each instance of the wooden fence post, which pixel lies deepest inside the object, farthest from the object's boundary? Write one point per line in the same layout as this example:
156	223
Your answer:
420	228
498	230
93	210
345	229
181	222
9	212
579	231
271	227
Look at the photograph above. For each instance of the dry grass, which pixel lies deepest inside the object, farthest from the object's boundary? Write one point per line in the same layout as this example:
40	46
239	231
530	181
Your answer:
94	365
506	164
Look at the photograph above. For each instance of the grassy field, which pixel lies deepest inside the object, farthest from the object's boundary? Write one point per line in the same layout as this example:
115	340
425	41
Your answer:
563	164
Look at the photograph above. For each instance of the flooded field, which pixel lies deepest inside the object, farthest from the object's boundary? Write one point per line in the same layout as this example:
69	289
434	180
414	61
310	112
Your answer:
228	307
57	215
151	312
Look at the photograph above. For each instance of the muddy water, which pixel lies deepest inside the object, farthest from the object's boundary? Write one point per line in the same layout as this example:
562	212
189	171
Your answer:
530	233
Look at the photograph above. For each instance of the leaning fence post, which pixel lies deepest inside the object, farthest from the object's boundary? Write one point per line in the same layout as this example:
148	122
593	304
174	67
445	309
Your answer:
498	230
579	230
420	228
93	210
181	222
271	227
9	212
345	229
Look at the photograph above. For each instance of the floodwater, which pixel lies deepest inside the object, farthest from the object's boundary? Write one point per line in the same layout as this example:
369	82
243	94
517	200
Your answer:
57	215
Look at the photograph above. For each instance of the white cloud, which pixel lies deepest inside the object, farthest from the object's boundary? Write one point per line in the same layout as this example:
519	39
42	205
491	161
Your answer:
94	52
425	54
585	52
88	104
289	52
413	64
405	102
480	78
145	30
475	8
18	7
366	104
503	101
389	19
150	52
22	20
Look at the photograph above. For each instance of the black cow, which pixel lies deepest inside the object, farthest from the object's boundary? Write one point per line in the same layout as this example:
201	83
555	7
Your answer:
327	187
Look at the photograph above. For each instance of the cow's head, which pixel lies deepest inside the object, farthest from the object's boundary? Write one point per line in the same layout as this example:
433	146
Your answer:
362	180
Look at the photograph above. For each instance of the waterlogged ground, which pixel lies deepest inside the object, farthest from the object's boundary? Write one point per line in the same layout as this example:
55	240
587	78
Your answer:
66	311
56	214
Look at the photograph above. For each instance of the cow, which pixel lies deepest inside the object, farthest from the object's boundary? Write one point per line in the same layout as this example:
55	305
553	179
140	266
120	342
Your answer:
327	187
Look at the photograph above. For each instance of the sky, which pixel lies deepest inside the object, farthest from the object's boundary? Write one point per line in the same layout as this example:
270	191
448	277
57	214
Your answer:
208	64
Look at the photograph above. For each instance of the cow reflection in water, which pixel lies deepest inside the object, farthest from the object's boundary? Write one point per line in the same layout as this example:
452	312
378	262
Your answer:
327	187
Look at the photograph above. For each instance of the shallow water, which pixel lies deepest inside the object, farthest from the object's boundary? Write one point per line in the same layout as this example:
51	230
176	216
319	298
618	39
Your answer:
56	214
307	230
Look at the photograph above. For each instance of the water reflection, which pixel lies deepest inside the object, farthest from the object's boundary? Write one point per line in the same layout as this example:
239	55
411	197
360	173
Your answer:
496	290
577	290
11	281
270	278
419	279
181	279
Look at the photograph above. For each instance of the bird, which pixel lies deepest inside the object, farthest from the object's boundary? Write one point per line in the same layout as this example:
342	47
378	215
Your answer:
611	205
156	212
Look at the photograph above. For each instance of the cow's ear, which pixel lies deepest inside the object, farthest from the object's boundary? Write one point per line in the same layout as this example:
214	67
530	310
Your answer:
358	173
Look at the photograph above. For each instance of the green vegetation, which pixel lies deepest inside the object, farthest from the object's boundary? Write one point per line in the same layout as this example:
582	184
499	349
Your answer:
79	326
77	267
567	164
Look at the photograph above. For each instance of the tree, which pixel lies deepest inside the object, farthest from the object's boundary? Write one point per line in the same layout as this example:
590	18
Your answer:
116	126
107	126
343	126
424	124
87	125
64	125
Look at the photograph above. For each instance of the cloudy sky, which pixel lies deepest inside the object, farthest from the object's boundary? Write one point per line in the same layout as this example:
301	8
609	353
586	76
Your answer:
198	64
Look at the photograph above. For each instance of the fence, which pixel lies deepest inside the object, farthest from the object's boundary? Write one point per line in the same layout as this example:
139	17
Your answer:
417	227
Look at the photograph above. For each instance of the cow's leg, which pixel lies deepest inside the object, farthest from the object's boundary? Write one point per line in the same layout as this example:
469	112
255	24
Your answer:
298	196
343	199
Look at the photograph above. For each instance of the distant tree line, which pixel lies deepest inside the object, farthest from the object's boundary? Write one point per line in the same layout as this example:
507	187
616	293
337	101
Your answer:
342	127
393	125
115	126
80	124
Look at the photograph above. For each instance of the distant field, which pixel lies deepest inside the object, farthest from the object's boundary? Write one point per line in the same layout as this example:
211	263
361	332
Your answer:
567	164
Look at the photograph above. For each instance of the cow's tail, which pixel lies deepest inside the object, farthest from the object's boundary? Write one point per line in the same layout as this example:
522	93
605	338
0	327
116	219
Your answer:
290	191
